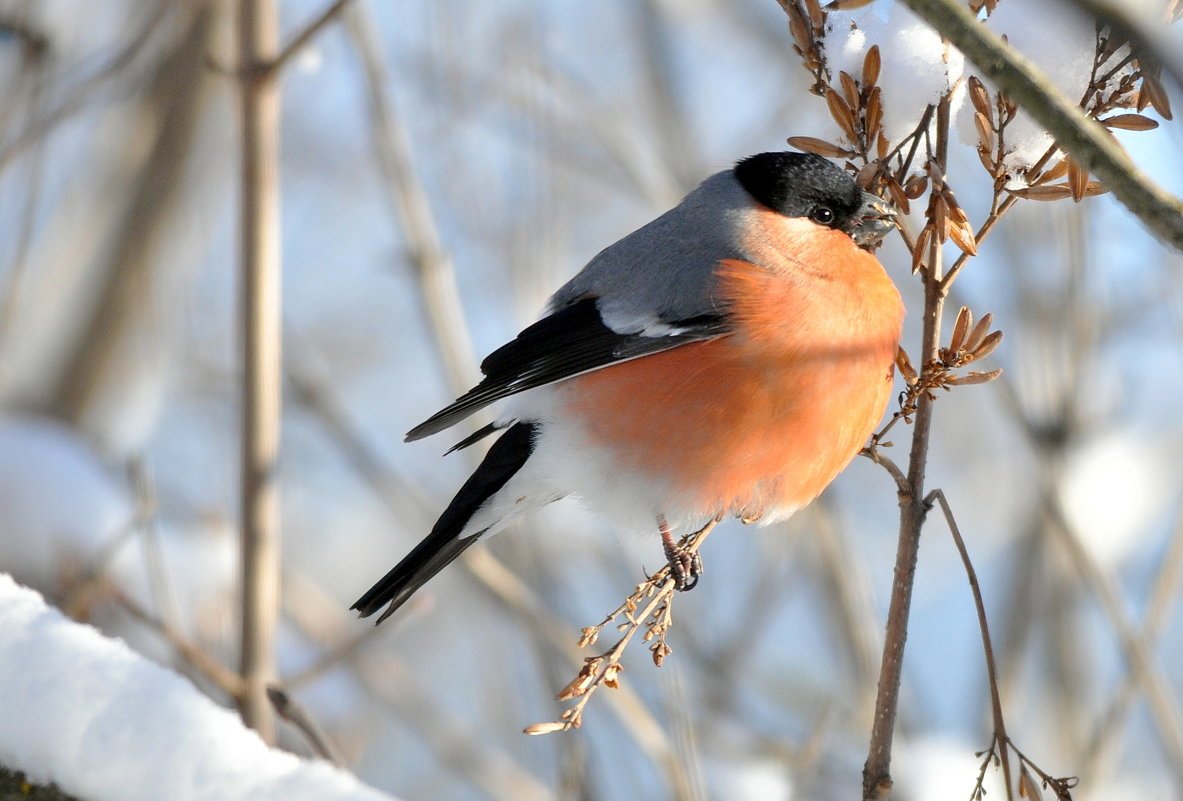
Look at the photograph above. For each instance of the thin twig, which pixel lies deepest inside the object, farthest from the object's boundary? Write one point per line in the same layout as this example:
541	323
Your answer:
87	89
1162	594
1000	734
300	40
451	739
412	208
194	655
1162	704
258	30
294	713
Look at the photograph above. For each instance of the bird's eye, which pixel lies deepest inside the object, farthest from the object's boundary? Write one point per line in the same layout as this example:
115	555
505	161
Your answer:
822	215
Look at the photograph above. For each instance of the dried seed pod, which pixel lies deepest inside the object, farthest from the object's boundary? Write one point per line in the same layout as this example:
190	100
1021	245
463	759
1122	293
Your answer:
962	234
920	249
817	17
1078	178
799	28
868	176
850	88
873	115
978	334
916	186
987	161
881	146
985	132
1056	172
841	114
821	147
580	684
1047	192
979	96
940	218
935	175
847	5
973	377
987	346
965	319
1006	104
660	652
904	365
1028	787
575	688
956	213
872	63
1152	92
544	728
897	196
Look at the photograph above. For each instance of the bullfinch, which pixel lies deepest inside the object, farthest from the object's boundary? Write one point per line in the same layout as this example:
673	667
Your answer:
729	358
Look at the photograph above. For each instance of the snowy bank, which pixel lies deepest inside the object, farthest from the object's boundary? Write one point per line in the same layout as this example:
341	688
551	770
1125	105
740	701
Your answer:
102	722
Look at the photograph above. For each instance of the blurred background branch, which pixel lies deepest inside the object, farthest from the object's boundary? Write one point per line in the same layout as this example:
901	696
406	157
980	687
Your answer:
260	332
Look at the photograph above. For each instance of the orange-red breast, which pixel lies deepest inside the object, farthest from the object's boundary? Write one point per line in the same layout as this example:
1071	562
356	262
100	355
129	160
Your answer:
728	358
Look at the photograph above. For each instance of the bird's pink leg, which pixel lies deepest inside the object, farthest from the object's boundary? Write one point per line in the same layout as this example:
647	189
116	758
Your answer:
685	565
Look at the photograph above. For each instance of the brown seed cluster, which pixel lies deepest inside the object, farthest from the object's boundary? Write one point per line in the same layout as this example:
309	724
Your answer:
856	106
1032	779
649	607
807	25
967	344
1121	79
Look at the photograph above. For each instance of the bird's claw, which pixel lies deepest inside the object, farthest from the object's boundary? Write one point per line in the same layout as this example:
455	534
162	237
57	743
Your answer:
685	566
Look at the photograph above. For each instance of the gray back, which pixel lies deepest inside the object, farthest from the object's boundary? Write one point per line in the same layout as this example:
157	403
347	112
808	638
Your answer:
665	270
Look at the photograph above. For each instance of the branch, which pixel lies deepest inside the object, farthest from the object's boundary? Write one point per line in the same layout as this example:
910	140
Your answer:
401	178
307	35
258	31
1085	140
877	769
1000	735
294	713
191	652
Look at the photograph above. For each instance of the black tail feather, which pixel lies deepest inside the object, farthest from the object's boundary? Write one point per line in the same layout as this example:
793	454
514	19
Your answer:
444	544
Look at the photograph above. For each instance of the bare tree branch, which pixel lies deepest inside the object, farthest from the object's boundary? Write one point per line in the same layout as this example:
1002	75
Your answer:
292	48
258	24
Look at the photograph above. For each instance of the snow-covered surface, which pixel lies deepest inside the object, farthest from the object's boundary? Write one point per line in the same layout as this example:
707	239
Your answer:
102	722
917	67
1066	58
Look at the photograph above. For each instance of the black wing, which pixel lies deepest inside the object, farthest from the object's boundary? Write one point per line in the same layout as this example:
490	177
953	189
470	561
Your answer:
571	341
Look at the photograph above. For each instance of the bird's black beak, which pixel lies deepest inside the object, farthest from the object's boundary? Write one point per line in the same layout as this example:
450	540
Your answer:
872	221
